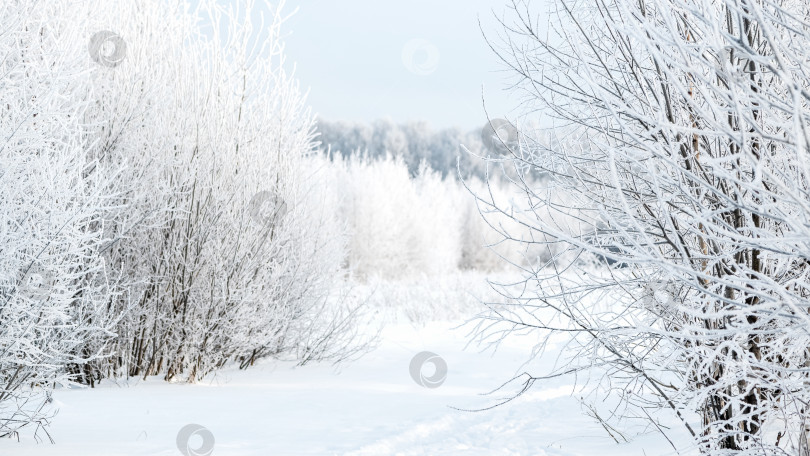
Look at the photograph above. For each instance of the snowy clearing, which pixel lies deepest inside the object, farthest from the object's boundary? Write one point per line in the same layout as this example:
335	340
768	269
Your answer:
368	407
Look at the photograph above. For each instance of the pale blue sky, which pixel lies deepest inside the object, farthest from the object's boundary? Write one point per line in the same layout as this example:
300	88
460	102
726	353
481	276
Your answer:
349	54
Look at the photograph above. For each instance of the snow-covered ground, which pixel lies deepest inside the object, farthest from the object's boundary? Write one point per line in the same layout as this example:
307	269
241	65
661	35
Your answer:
369	407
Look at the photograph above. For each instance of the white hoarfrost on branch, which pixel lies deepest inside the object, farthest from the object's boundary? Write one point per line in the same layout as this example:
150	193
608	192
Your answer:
682	140
53	290
158	212
220	244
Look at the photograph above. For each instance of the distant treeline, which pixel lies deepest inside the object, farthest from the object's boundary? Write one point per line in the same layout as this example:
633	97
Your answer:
413	142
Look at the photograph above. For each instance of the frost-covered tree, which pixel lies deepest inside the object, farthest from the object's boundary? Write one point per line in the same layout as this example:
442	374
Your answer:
403	226
219	243
158	212
683	143
53	290
399	226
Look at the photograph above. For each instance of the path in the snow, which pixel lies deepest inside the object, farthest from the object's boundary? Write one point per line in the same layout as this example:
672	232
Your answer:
371	407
